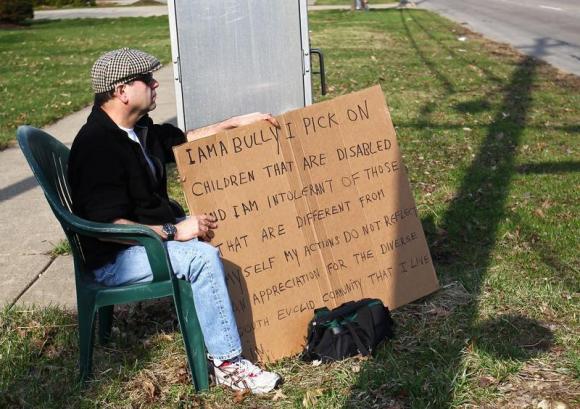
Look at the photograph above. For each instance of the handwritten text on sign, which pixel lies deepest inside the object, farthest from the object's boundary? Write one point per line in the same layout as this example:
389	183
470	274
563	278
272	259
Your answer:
316	212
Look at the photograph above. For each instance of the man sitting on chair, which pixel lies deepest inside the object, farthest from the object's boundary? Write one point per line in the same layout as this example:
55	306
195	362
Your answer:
117	175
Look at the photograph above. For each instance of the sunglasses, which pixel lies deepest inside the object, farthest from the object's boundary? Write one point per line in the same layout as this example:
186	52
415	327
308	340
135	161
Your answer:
147	78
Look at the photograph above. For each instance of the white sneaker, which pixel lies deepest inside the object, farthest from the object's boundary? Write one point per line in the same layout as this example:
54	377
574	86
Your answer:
242	374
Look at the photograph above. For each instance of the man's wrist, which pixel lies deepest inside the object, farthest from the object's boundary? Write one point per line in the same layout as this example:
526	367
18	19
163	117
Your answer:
169	230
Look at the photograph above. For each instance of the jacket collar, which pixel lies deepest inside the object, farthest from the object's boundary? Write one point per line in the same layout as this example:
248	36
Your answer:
102	119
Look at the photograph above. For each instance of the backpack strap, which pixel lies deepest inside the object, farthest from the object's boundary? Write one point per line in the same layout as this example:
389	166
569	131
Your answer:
346	309
361	348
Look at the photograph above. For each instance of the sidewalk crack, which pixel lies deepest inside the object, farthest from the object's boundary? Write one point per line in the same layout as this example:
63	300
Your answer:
34	280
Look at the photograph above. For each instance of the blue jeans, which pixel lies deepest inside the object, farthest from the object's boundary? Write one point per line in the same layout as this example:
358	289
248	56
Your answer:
200	264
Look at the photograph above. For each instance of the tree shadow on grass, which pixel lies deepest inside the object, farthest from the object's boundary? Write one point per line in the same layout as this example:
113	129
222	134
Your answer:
424	366
512	337
444	80
437	21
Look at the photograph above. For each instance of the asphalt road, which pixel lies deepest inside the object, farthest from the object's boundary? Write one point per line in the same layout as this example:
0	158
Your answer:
547	29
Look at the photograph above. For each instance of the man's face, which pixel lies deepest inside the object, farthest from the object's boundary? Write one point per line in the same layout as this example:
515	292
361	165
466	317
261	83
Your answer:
142	93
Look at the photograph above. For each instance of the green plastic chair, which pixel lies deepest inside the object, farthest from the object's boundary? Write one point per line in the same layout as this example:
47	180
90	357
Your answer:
48	159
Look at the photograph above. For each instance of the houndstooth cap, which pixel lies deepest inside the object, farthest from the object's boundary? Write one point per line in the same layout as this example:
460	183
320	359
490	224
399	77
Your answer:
121	66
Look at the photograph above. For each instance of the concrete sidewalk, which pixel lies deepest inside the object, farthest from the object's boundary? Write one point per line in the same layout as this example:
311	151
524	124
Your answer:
29	230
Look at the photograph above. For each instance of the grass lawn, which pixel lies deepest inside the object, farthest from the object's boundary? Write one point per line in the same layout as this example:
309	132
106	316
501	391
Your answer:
45	68
491	141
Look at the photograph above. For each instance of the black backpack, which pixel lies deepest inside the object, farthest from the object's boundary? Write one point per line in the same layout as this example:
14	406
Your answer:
352	328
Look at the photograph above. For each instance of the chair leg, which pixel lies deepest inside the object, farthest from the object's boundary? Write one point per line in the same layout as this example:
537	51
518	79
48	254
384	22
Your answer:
86	318
105	323
191	332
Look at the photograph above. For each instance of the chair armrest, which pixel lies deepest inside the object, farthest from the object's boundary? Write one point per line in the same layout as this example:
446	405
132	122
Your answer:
142	235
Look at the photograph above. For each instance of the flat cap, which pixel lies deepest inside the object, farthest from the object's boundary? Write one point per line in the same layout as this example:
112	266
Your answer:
121	66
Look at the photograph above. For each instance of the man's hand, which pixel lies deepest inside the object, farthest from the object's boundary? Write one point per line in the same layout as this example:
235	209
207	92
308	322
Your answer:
200	226
248	119
231	123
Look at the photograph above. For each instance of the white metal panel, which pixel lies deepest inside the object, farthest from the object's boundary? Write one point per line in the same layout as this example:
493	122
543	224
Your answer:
237	56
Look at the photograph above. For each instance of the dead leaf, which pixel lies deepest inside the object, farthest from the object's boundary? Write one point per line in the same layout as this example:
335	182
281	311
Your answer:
538	212
311	397
566	295
150	389
52	352
440	312
559	405
239	396
182	375
485	381
471	344
546	204
545	404
166	337
278	395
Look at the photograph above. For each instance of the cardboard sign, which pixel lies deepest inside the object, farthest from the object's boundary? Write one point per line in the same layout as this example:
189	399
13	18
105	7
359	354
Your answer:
315	213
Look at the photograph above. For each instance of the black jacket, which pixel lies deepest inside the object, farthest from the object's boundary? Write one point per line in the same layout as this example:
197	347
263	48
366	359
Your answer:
111	179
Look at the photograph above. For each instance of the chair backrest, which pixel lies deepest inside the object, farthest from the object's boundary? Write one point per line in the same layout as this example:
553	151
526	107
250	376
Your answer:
48	158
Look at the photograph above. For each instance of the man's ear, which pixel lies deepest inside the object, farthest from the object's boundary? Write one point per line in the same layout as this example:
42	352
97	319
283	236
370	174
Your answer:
120	92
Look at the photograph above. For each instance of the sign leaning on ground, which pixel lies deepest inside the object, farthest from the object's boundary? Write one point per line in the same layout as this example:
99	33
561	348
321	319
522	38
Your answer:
317	212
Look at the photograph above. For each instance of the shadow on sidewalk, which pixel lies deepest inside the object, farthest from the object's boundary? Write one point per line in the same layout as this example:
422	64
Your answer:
17	188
